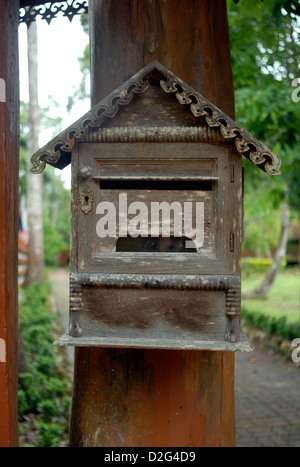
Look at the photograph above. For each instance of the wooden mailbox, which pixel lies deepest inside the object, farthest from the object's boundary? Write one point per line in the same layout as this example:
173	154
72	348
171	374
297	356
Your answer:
156	217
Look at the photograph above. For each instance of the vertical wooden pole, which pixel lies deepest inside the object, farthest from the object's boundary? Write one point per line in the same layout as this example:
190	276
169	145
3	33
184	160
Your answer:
189	37
9	169
157	398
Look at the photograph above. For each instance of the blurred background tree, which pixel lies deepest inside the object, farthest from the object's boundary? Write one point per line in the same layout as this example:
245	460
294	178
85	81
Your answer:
265	48
35	269
83	90
56	197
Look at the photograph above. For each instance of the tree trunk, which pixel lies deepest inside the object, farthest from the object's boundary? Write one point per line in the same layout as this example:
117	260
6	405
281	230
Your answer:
264	287
34	182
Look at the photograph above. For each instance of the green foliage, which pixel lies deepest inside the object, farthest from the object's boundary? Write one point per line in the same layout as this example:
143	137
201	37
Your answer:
55	244
257	265
264	42
47	123
41	389
50	434
57	213
274	118
265	51
56	197
261	224
270	324
279	313
282	302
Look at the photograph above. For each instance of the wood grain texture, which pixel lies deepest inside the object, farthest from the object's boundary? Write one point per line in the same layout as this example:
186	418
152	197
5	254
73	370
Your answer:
157	314
9	168
153	398
180	35
158	311
156	398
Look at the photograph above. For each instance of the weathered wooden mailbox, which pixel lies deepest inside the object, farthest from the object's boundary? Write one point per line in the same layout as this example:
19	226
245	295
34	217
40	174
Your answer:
157	217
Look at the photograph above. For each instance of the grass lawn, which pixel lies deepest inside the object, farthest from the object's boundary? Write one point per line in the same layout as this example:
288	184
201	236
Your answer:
283	298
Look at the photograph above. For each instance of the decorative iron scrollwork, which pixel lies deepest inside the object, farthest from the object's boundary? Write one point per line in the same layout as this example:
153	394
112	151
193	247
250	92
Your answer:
50	11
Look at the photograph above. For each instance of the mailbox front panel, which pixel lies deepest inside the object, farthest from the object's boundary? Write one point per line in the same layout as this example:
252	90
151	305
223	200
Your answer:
179	199
156	240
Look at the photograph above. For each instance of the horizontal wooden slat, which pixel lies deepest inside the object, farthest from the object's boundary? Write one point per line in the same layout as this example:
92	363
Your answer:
156	170
148	281
142	342
151	263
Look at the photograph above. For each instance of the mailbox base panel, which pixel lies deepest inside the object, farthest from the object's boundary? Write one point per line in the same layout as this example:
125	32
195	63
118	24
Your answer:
138	343
202	314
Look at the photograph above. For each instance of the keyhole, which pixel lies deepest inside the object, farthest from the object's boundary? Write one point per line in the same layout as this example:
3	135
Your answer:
86	200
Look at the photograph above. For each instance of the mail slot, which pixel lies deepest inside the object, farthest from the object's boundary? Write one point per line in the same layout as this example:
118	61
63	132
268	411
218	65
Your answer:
156	217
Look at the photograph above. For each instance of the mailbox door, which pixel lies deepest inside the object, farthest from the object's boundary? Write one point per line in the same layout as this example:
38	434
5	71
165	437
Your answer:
137	179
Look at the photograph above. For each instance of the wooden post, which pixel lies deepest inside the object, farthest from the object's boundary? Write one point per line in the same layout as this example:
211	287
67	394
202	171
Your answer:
157	398
9	169
189	38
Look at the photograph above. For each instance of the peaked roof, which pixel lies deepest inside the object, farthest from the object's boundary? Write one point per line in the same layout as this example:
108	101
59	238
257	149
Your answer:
58	151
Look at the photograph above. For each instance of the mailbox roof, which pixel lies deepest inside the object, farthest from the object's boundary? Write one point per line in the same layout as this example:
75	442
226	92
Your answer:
58	151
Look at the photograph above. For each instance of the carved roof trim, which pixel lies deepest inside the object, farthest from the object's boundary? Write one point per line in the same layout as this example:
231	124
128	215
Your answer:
58	151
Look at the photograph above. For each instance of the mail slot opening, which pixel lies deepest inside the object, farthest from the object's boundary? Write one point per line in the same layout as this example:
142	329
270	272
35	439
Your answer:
174	185
156	244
